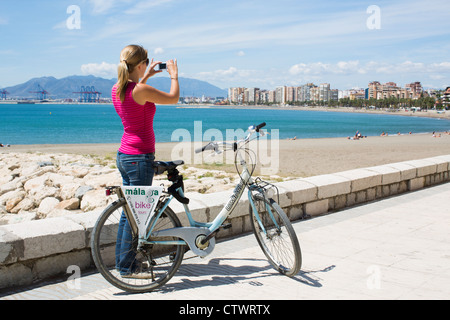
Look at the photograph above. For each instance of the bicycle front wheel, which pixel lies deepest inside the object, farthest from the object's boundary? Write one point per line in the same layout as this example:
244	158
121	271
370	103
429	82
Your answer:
275	235
152	266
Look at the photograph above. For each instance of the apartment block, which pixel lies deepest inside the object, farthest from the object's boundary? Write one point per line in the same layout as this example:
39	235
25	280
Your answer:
416	88
280	95
391	89
324	92
251	95
446	97
236	95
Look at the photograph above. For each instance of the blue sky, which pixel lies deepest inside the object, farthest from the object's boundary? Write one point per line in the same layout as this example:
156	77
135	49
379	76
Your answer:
232	43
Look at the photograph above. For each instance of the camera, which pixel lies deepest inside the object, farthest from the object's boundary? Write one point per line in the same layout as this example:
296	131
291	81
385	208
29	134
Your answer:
162	66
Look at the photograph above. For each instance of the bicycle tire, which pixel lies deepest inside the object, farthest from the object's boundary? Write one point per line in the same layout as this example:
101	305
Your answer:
163	260
280	245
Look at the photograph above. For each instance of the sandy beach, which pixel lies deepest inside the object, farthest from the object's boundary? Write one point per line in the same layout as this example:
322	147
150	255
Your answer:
441	114
297	158
46	181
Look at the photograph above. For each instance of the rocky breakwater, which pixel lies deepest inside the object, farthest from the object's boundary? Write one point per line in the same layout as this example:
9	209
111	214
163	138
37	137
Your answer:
37	186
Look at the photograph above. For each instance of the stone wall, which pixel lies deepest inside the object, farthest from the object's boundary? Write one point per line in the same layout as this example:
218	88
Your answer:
36	250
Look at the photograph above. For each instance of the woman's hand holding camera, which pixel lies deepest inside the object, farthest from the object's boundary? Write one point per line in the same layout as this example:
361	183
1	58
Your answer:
172	69
171	66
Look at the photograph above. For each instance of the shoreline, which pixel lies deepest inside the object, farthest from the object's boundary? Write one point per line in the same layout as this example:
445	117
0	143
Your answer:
426	114
291	158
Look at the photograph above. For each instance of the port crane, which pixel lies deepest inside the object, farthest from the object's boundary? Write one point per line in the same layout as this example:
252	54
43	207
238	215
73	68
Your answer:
89	94
3	94
41	94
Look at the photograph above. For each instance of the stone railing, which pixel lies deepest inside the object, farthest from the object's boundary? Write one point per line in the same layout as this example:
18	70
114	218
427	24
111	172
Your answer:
37	250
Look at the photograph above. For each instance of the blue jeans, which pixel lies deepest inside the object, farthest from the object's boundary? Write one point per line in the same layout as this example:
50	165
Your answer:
136	170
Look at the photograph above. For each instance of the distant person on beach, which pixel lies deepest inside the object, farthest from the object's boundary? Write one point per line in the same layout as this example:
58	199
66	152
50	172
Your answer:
134	102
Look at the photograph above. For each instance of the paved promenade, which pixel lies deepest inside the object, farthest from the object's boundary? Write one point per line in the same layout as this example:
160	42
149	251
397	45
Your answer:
396	248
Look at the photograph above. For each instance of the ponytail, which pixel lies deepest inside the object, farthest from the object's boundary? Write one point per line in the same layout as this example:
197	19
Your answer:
123	77
130	57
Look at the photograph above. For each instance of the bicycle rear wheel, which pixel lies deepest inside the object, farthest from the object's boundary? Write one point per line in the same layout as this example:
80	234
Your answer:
154	264
276	236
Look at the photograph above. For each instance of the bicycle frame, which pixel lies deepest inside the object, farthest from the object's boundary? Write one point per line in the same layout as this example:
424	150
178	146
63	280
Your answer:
200	234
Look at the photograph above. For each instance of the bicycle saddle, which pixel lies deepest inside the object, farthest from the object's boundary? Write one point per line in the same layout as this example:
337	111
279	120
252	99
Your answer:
162	166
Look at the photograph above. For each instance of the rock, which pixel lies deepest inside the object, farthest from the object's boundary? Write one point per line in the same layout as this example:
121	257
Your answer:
12	203
46	206
74	171
59	213
94	199
38	194
102	180
9	219
11	195
71	204
30	169
45	164
11	186
5	178
35	183
13	166
82	191
69	190
23	206
59	180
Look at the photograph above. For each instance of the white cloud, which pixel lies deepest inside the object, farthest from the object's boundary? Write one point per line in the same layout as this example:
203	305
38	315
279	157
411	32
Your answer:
241	53
355	67
219	73
100	70
144	6
267	78
60	25
159	51
437	77
221	76
319	68
103	6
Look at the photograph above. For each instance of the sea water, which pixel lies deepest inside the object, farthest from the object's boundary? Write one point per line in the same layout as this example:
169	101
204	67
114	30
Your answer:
71	124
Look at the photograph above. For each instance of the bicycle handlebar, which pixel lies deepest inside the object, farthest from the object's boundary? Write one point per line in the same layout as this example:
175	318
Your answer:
259	127
209	146
215	146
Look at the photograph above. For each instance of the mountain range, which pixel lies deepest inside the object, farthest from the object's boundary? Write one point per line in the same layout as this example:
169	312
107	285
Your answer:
65	88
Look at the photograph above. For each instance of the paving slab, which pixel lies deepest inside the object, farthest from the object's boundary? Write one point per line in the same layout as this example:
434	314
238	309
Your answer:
395	249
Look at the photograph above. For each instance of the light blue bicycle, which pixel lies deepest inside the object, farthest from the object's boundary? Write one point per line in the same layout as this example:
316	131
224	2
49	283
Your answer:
159	240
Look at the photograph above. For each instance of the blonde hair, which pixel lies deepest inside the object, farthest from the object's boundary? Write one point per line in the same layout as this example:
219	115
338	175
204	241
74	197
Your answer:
130	57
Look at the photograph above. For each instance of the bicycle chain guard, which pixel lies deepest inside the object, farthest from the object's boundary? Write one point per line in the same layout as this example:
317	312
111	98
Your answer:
192	236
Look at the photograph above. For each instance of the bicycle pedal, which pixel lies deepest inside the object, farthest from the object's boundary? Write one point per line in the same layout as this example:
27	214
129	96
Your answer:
226	226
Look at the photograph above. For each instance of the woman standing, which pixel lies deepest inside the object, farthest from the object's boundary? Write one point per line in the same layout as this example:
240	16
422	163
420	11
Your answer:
134	102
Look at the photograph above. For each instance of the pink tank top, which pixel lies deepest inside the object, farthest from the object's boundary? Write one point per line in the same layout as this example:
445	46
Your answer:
137	120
